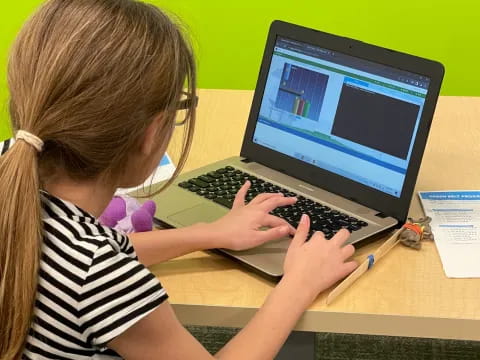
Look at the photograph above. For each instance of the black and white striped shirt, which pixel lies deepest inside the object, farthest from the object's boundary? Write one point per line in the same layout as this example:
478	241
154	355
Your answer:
91	286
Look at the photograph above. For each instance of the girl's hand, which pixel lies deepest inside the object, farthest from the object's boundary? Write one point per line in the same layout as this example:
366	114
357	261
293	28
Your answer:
240	229
316	265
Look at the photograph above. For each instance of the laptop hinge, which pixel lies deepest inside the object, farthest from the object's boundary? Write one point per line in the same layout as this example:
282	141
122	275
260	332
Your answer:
246	160
381	215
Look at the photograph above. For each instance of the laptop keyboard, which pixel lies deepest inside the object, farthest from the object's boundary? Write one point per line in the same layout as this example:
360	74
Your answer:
222	184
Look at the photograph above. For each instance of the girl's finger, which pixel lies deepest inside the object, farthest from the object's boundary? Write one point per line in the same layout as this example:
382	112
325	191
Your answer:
348	251
302	231
239	200
275	233
341	237
277	201
262	197
348	267
274	221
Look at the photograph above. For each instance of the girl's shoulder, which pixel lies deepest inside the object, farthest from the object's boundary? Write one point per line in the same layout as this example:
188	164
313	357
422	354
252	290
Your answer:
75	228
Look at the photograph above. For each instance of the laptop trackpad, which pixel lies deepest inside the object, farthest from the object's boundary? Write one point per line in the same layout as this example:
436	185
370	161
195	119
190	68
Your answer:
199	213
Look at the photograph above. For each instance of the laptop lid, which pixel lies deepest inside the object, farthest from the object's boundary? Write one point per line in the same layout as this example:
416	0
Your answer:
343	115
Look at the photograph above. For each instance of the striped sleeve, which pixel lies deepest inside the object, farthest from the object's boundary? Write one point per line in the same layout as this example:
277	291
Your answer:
5	145
118	292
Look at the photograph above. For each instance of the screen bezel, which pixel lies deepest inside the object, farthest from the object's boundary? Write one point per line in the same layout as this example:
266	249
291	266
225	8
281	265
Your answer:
386	204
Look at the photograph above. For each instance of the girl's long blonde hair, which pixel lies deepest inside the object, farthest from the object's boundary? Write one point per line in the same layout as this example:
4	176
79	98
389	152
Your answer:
87	77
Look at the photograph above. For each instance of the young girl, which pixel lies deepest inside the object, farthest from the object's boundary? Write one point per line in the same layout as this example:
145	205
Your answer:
95	86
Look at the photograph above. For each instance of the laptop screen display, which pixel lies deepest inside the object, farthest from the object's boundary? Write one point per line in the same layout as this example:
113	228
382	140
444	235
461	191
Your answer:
352	117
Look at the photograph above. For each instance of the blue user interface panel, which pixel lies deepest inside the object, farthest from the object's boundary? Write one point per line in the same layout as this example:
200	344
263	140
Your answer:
347	115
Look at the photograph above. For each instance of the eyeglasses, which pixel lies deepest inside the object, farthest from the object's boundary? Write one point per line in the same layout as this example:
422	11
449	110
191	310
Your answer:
185	104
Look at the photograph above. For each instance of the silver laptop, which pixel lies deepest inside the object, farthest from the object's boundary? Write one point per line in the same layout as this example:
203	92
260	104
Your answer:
336	122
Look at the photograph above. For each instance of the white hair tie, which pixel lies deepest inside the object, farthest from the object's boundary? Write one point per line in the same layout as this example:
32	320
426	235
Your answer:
30	139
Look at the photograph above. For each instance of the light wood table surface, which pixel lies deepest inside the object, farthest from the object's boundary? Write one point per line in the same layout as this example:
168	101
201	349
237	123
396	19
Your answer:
406	294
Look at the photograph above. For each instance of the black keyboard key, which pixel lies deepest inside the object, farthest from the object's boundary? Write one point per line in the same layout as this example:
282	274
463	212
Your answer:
315	225
224	201
319	219
353	227
198	183
363	223
284	211
215	175
229	169
210	196
292	221
206	178
221	171
334	226
193	188
296	214
318	210
309	208
185	185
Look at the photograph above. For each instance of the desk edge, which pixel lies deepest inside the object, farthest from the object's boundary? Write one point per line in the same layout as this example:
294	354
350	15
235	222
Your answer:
346	323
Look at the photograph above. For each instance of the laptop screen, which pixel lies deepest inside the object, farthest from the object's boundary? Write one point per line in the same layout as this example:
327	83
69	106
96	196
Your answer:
352	117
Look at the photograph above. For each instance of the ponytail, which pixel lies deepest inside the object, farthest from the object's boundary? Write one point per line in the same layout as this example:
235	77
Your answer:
20	239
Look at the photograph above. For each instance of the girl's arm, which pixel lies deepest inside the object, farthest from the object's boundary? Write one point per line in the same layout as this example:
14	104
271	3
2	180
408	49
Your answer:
161	336
156	246
238	230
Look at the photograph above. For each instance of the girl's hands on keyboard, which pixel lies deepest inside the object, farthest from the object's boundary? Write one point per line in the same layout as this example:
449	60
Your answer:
313	266
241	228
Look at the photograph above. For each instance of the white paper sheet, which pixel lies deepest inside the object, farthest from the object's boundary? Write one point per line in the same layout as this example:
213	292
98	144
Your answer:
163	172
456	227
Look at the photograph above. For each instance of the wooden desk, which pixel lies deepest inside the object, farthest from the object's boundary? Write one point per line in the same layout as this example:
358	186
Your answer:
407	294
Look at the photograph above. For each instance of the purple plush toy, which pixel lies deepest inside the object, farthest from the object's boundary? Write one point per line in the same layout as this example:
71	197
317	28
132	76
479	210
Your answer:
127	215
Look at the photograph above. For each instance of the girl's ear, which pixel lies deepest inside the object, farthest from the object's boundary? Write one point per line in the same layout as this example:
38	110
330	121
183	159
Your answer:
150	137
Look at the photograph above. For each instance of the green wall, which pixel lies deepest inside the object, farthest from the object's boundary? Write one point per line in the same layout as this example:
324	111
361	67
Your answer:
229	36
